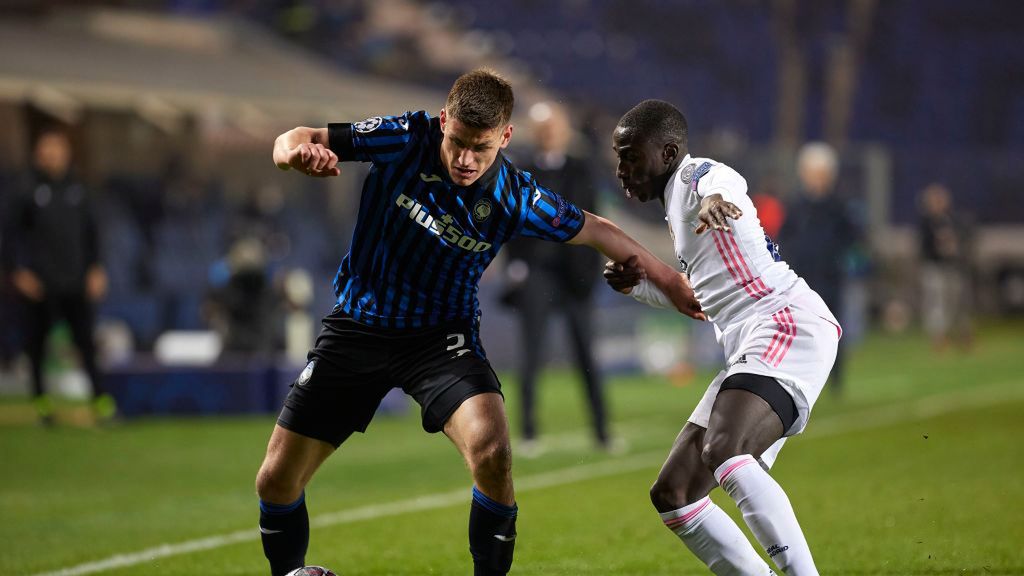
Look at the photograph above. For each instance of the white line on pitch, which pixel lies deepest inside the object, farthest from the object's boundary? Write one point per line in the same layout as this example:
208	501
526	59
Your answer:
840	424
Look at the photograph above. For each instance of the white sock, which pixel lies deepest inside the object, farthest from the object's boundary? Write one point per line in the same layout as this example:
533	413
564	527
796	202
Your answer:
768	513
714	538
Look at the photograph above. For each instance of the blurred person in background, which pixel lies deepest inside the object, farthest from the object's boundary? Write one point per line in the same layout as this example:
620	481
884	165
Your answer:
545	279
818	233
10	323
438	203
246	289
945	269
52	255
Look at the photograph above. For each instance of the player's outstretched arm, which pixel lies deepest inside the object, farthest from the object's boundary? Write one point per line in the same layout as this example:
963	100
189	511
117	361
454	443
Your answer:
607	238
629	278
306	150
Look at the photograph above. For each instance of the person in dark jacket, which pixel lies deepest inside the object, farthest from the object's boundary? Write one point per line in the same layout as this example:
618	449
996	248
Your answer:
818	233
945	250
549	279
52	254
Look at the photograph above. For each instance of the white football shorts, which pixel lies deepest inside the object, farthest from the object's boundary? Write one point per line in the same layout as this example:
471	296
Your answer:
794	341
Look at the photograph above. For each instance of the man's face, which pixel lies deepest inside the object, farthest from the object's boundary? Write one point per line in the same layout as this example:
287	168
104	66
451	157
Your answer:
552	134
937	200
817	179
53	154
468	152
642	164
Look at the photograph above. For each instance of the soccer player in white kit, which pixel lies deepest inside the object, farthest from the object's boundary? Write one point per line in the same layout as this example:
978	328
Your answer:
780	342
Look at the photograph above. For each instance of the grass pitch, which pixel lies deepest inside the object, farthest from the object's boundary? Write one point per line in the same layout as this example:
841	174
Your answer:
917	470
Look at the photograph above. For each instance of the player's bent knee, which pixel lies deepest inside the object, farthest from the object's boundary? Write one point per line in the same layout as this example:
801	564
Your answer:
277	488
669	495
665	496
492	458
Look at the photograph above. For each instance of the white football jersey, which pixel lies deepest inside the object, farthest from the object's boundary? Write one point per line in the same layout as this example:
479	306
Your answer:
735	273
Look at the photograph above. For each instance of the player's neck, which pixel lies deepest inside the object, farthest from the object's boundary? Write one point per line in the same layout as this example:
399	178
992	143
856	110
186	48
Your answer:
665	178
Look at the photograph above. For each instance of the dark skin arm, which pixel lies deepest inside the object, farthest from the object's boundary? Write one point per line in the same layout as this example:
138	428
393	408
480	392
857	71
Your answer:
714	214
623	276
608	239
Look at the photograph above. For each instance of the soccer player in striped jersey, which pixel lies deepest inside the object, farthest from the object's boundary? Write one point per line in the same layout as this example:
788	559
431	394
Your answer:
780	342
438	203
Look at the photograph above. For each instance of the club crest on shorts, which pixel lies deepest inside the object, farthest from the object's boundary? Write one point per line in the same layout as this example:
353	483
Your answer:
687	174
368	125
307	373
482	210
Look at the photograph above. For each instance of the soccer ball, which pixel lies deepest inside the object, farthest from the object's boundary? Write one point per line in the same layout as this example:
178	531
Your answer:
312	571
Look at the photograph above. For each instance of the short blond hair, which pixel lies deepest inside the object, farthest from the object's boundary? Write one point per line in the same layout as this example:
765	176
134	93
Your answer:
481	99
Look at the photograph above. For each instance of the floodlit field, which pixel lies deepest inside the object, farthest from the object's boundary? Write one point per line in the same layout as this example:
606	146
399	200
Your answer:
918	470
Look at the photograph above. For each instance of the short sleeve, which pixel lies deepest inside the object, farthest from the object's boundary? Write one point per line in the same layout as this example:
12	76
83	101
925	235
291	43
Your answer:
719	179
551	217
380	139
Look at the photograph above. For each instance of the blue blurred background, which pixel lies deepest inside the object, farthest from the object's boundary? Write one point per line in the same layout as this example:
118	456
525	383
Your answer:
173	106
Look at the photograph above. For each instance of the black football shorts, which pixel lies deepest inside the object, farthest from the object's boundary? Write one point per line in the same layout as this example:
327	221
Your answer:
353	366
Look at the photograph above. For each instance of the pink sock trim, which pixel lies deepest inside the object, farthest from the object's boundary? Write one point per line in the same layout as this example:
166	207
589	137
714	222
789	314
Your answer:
686	513
731	465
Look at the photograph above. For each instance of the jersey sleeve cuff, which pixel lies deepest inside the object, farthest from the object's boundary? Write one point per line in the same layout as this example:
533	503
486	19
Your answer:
576	232
339	140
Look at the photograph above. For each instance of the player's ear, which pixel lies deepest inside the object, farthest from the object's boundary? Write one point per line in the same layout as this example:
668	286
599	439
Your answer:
443	116
669	152
506	136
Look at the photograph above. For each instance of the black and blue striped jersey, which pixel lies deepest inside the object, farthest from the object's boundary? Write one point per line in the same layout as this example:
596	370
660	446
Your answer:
421	242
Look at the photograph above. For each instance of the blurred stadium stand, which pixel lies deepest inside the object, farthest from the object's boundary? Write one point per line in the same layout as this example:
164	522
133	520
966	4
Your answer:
174	104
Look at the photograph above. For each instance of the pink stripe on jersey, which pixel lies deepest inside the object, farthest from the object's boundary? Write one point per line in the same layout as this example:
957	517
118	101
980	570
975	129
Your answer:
672	523
735	467
731	263
757	282
726	259
737	264
730	241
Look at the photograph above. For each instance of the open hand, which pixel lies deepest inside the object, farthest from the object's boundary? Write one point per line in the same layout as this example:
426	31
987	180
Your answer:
715	212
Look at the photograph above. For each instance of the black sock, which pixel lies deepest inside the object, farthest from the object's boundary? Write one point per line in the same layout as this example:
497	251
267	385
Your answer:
492	535
285	533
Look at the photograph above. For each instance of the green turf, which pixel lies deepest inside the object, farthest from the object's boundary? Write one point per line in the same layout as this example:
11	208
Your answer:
916	471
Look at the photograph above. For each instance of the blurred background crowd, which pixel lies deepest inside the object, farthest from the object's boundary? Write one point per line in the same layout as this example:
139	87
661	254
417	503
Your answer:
881	142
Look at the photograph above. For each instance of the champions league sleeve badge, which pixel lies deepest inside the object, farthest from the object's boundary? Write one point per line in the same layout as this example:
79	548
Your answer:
687	174
560	211
368	125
